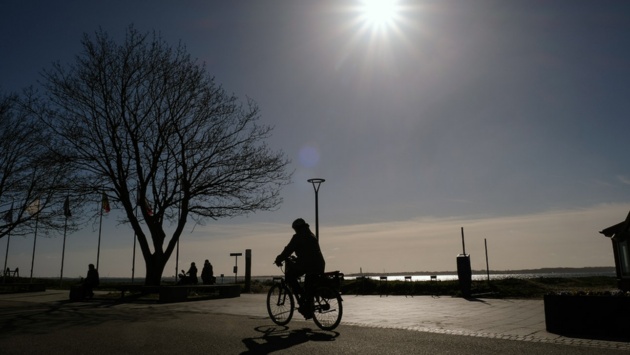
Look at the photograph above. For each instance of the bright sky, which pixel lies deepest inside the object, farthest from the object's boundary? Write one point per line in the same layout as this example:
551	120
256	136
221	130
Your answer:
507	118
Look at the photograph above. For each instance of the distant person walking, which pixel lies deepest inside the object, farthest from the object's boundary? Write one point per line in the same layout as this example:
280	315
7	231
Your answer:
192	274
207	273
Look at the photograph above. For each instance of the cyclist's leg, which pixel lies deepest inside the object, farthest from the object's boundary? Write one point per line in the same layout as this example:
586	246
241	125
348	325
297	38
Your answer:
305	299
310	284
293	272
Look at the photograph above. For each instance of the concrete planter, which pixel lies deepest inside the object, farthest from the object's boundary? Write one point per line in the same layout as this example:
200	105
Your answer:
181	293
601	317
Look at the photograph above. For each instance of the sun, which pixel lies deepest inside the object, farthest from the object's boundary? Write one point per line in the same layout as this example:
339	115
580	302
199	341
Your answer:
379	14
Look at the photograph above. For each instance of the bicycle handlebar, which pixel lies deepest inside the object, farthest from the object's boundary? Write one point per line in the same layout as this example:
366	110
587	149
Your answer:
289	258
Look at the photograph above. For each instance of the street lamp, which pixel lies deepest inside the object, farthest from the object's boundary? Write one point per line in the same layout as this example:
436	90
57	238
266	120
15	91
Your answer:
316	182
235	255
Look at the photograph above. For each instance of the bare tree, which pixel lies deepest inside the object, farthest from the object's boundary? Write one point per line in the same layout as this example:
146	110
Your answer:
144	123
33	181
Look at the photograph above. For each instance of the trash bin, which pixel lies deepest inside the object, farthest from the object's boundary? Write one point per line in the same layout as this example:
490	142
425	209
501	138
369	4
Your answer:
464	274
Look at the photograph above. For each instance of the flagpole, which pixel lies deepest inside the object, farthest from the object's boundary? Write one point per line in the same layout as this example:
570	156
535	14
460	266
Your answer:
100	226
9	219
104	207
63	251
179	214
34	243
6	257
133	259
133	262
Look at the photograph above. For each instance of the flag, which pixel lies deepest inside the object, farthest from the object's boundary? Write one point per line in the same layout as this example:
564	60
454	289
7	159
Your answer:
9	216
66	208
147	207
106	203
33	208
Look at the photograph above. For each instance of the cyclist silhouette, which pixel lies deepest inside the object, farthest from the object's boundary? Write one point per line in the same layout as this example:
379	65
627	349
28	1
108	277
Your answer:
309	262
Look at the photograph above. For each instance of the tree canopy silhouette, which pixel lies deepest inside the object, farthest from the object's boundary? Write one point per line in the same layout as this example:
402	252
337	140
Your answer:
145	124
33	180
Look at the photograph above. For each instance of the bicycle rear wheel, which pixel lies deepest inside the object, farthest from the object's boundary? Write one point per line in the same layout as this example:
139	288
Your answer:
327	308
280	304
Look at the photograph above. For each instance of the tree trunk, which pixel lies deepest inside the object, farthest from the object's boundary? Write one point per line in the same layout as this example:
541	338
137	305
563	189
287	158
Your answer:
155	267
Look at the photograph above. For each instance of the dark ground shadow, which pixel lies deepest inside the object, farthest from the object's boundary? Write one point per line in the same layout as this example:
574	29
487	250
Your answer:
39	318
276	338
473	299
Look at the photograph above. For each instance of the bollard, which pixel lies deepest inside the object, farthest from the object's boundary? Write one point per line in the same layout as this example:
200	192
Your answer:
248	270
464	274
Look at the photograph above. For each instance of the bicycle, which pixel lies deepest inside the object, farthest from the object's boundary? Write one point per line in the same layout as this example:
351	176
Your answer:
326	302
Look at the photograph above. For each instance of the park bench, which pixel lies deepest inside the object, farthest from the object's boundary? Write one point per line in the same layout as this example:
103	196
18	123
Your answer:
13	283
383	286
22	287
14	273
410	287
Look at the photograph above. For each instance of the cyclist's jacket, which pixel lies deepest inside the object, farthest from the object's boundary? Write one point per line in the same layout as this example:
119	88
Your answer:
306	248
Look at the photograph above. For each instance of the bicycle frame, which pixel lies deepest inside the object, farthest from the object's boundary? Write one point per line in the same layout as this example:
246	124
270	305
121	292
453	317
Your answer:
283	284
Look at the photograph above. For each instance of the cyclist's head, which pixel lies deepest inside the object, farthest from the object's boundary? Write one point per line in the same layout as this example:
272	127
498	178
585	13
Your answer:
299	224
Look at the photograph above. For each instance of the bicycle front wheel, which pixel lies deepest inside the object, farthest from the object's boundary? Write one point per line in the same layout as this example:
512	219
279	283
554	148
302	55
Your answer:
327	308
280	304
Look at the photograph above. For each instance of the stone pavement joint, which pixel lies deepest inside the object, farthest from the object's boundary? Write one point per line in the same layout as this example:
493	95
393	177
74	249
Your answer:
559	340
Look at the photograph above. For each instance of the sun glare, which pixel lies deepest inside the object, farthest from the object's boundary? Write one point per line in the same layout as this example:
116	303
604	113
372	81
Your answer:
379	14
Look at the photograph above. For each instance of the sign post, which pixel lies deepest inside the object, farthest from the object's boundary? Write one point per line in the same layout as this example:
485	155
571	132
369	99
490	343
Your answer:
235	255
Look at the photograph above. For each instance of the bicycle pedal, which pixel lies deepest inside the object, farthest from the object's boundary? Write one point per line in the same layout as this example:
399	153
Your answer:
306	314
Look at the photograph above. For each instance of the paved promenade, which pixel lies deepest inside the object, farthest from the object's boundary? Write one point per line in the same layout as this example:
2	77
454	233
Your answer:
520	320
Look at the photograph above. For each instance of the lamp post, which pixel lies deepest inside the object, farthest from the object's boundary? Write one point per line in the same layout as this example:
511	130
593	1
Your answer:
235	255
316	182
